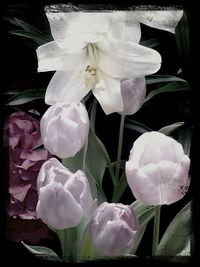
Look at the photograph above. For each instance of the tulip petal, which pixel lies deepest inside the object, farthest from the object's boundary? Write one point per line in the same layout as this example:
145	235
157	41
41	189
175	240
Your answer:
68	86
123	59
42	178
64	211
160	19
108	93
133	94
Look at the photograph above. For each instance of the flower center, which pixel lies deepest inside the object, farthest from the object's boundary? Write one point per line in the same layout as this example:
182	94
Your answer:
91	70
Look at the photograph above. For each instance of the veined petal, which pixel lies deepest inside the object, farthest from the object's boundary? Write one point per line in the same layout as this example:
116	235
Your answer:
108	93
70	29
121	59
51	58
68	86
123	26
160	19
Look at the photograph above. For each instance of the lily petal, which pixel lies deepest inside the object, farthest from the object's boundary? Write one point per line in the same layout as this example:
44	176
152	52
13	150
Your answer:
51	58
123	26
123	59
70	29
68	86
164	20
108	93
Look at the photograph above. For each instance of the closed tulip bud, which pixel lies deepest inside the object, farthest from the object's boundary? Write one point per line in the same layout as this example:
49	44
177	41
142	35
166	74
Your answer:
113	228
133	94
64	129
157	170
64	197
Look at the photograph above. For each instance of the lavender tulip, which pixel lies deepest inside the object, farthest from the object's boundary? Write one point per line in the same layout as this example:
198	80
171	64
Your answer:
133	94
64	197
113	229
64	129
157	169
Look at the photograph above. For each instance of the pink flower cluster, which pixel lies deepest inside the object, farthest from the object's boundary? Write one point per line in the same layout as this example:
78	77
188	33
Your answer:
22	132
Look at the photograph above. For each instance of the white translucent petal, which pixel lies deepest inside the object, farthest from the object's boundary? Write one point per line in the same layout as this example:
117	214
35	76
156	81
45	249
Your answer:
160	19
123	26
108	93
68	86
70	29
121	59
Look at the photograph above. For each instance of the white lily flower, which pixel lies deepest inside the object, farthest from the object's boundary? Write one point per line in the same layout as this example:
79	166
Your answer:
160	19
94	51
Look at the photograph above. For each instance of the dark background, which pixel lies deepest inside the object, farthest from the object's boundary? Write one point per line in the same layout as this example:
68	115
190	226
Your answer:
20	72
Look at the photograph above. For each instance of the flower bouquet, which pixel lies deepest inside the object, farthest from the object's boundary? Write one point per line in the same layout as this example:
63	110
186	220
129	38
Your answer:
96	156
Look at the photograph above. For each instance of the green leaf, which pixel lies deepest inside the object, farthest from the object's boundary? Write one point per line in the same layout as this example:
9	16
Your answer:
163	78
170	128
37	38
93	114
25	96
145	214
87	251
176	236
136	126
151	42
171	87
122	164
139	207
24	25
42	252
95	158
185	138
120	188
105	153
74	163
183	41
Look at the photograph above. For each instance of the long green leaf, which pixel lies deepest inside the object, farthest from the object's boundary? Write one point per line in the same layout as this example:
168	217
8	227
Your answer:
163	78
24	25
183	42
25	96
136	126
95	158
120	188
38	39
171	87
151	42
177	234
42	252
145	214
185	138
170	128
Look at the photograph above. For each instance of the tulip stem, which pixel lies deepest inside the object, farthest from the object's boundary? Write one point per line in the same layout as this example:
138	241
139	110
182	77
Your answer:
156	230
84	156
119	152
68	240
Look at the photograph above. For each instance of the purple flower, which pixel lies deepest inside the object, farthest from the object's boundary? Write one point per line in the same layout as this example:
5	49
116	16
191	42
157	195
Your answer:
25	159
64	129
68	194
113	229
133	95
157	169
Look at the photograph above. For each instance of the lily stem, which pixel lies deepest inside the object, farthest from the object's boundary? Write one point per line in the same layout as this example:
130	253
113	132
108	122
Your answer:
119	152
156	230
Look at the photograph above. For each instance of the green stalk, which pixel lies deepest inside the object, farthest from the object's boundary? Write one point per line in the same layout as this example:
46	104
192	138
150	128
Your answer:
68	240
119	152
156	230
84	156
